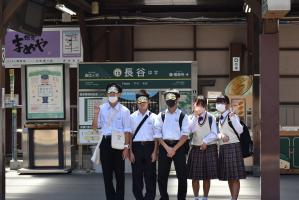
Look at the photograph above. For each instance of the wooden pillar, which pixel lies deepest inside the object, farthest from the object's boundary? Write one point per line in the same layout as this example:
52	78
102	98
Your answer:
6	14
85	37
253	68
2	112
269	82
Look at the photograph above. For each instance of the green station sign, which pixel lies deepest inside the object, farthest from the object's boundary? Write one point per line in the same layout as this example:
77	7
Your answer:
135	75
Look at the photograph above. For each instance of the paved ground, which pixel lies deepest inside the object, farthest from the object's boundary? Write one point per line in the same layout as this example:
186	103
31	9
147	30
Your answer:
82	186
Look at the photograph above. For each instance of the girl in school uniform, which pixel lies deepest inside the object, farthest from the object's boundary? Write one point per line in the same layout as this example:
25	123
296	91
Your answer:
230	163
202	160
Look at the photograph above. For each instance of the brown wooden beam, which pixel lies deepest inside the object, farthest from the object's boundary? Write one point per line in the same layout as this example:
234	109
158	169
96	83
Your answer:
2	112
6	14
256	7
85	37
253	32
194	43
10	10
80	4
270	148
270	26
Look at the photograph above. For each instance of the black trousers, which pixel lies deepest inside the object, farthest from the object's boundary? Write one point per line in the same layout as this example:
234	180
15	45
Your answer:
112	162
144	169
164	165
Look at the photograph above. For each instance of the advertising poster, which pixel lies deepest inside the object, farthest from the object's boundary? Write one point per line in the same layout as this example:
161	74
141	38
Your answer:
45	92
54	45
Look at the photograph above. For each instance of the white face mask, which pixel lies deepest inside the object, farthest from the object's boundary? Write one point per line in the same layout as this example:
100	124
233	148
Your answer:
220	107
112	99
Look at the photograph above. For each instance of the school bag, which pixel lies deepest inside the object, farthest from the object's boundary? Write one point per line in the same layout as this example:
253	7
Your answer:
244	138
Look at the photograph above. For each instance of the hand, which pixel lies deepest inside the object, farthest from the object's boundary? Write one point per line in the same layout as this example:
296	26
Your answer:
171	152
224	138
125	153
196	110
168	150
154	156
96	115
232	114
204	146
132	157
96	109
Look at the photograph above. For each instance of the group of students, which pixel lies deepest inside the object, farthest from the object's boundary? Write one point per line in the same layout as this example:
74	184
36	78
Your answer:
215	148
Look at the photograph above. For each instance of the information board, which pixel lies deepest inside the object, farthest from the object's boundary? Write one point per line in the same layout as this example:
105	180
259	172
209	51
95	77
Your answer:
45	95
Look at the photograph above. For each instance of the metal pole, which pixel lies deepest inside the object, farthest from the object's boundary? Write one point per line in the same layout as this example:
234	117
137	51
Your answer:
14	134
13	116
14	165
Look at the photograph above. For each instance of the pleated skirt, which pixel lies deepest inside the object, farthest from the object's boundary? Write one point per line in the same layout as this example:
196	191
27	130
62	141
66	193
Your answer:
202	164
230	162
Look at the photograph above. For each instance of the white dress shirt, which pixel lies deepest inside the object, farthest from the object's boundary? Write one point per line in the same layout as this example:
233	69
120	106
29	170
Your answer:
170	128
235	122
194	126
146	131
114	119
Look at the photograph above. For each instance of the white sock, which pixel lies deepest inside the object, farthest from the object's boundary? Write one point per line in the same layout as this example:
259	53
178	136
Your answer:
205	198
196	198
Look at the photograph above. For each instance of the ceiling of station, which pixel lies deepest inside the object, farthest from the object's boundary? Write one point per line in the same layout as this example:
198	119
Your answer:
154	11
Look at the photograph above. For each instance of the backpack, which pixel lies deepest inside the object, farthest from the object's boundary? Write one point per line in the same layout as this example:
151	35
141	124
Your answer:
186	145
244	138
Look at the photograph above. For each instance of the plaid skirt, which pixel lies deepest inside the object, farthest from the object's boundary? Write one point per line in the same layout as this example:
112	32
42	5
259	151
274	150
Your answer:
230	162
202	165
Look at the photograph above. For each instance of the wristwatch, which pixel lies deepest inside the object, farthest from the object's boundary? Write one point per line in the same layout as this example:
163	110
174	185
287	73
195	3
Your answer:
127	146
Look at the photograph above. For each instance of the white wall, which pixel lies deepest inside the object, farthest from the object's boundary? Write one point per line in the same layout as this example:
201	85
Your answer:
216	62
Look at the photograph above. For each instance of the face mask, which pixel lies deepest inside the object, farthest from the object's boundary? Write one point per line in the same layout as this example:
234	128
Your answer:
170	103
220	107
112	99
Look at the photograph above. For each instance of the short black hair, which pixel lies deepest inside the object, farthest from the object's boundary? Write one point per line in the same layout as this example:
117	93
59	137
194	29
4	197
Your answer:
222	99
201	100
119	88
142	93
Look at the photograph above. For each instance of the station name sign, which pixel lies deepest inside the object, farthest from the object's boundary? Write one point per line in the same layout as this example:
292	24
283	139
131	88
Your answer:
135	75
